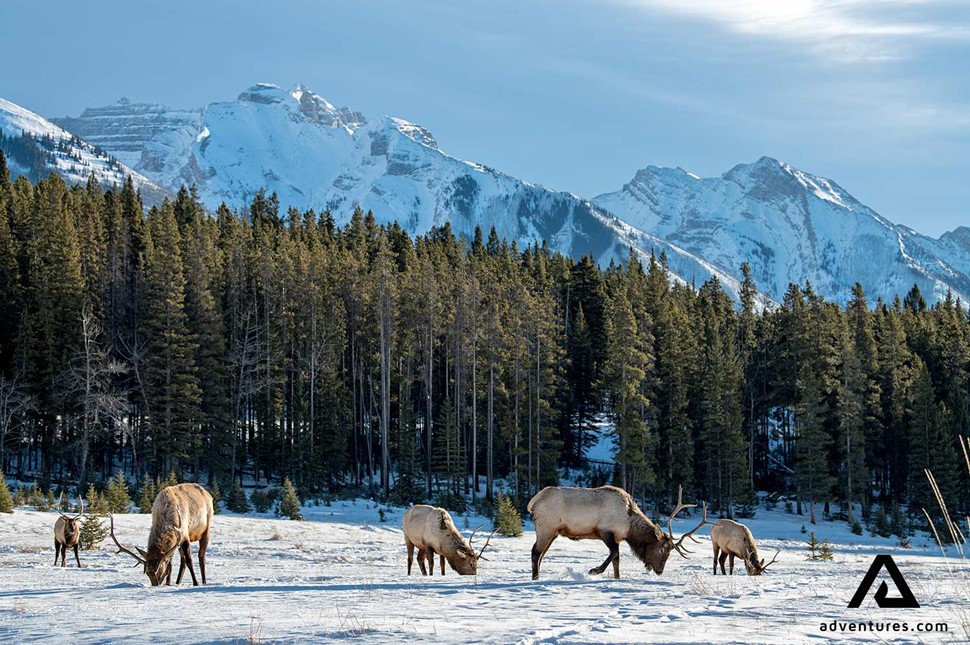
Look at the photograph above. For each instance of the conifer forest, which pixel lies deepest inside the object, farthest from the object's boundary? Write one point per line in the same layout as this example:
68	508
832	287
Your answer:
270	344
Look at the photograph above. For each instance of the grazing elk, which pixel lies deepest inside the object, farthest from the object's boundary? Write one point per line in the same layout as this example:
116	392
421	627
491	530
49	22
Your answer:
431	531
67	535
732	539
608	514
181	514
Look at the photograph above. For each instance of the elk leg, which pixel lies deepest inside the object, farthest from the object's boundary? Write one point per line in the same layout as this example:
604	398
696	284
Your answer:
182	558
429	556
538	552
57	551
731	566
188	561
721	560
616	564
442	565
716	551
203	545
424	569
614	548
77	557
410	556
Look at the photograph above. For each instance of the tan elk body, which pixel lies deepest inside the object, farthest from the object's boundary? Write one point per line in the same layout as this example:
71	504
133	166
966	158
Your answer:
67	535
732	539
609	514
431	531
181	514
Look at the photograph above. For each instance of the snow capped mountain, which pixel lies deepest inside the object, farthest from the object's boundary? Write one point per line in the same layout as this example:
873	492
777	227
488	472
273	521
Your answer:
316	155
36	147
791	226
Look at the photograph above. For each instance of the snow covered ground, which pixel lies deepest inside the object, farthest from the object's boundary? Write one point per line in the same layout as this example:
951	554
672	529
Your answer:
342	575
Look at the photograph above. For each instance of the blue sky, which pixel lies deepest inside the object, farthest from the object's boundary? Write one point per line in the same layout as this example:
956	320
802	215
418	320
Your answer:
574	95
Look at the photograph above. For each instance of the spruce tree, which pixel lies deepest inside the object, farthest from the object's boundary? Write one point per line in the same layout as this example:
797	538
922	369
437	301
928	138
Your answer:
6	500
172	385
237	501
216	493
117	495
147	493
508	522
289	502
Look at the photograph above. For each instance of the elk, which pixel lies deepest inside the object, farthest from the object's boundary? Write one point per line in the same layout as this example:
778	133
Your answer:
732	539
67	535
608	514
181	514
431	531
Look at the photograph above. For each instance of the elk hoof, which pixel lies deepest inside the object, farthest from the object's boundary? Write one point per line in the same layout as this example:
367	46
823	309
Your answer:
595	571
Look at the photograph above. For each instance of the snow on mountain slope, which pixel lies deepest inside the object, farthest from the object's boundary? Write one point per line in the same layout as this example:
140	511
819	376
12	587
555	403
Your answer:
316	155
35	146
791	226
151	138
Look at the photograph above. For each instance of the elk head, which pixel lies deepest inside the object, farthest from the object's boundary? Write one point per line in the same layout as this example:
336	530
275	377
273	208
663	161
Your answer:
656	559
466	562
156	563
756	567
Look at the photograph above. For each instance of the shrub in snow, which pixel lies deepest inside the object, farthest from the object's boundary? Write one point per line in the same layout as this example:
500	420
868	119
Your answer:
508	522
289	503
6	499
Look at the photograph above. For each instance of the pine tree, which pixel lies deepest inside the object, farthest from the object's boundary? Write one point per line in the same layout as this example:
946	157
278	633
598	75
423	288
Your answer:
117	496
508	522
6	501
289	502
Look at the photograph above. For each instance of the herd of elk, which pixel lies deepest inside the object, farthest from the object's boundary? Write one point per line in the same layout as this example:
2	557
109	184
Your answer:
732	539
67	534
608	514
182	514
431	531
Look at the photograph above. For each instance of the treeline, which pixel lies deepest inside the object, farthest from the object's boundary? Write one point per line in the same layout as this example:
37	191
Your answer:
270	345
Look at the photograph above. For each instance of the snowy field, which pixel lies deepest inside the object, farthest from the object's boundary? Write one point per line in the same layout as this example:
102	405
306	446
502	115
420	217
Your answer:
341	575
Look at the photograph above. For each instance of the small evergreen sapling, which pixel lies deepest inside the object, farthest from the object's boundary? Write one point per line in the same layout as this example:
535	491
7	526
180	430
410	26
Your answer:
289	503
117	497
237	502
6	499
216	493
508	522
261	501
146	497
93	530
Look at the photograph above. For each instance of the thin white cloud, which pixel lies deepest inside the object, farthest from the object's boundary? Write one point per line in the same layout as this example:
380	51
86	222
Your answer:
841	29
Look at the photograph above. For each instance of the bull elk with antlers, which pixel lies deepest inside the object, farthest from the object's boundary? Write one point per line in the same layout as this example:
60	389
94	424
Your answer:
431	531
608	514
730	539
181	514
67	534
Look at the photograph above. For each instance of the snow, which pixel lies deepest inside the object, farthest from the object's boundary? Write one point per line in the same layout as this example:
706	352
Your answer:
790	226
342	575
78	160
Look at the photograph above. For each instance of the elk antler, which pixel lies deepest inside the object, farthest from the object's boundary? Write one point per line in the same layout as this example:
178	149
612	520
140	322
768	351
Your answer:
486	545
681	506
122	549
765	566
